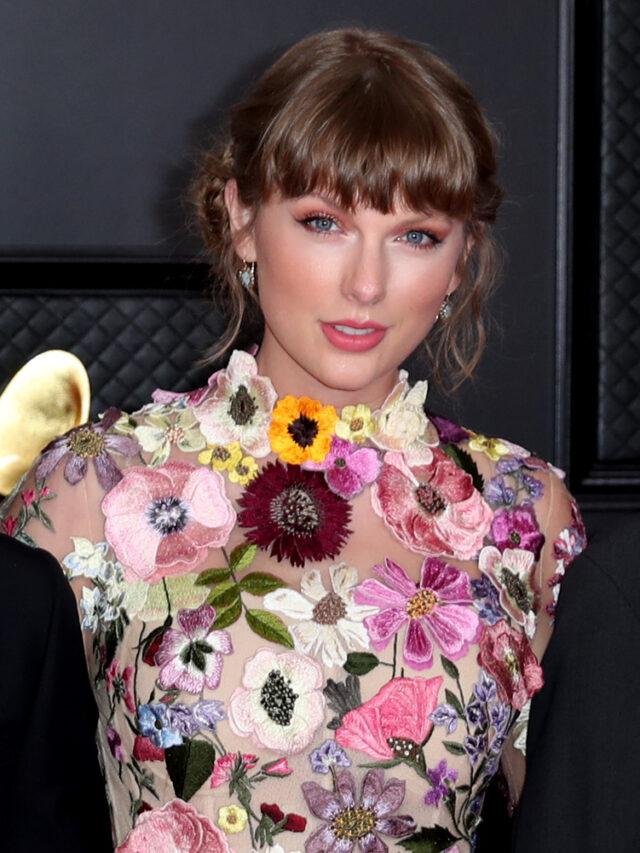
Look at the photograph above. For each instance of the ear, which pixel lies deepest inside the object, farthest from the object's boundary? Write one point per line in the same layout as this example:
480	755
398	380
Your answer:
456	278
240	221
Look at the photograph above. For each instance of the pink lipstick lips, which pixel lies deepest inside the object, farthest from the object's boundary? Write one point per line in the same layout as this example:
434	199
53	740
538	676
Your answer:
352	336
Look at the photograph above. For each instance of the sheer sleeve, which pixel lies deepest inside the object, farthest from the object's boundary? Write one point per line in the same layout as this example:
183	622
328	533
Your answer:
564	538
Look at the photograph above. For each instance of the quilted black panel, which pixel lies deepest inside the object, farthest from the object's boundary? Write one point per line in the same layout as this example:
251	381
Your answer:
619	379
130	343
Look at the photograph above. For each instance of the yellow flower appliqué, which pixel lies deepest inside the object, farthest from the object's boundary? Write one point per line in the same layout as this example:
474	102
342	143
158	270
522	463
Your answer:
221	457
232	819
356	423
491	447
244	471
301	429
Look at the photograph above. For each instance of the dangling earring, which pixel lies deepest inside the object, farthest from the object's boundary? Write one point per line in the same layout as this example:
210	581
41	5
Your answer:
446	309
247	274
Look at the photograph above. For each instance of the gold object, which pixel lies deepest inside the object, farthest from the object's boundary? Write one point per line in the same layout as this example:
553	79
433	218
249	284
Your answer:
48	396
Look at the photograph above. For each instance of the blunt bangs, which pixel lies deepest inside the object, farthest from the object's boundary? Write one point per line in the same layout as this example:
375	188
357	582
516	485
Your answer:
361	140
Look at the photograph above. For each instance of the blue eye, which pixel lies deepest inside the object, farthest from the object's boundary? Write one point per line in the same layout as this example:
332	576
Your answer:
421	239
320	223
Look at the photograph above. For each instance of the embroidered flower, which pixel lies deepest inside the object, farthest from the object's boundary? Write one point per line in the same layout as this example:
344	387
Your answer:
230	766
506	655
445	715
91	441
115	744
433	509
350	821
499	493
87	559
121	683
232	819
239	409
439	777
448	431
494	448
439	608
348	468
244	471
279	768
395	723
162	521
280	704
328	755
189	719
292	822
512	574
190	658
517	528
154	723
301	429
356	423
486	600
221	457
293	512
144	750
159	433
102	604
178	827
328	625
402	424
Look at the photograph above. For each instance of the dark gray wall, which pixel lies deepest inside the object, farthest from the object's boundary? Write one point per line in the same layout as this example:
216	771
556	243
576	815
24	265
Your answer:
105	105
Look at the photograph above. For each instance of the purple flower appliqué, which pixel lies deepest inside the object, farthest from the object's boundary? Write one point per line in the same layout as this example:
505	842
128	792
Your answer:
475	747
439	606
191	658
91	441
115	744
328	755
517	528
448	431
487	601
189	719
445	715
498	494
350	821
439	777
348	467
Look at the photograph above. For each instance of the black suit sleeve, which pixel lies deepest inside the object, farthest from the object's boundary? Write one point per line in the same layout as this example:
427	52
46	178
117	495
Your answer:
51	790
583	747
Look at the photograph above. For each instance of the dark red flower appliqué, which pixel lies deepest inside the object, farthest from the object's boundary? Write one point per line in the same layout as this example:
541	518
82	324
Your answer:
506	655
293	512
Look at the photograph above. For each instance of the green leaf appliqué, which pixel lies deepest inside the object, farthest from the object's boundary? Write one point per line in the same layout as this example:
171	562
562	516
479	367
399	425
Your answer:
189	766
269	627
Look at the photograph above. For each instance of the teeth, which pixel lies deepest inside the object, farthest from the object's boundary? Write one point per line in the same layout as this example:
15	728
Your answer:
349	330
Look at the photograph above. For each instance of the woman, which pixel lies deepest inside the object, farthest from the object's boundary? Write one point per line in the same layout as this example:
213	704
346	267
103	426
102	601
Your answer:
313	615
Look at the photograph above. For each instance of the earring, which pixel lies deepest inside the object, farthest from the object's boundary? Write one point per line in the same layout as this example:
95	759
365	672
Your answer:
247	274
446	309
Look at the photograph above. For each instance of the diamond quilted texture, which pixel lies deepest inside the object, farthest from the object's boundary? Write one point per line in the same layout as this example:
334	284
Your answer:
130	344
619	356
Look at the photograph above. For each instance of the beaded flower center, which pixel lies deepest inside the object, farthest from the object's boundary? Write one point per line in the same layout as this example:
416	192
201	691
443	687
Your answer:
220	454
85	442
516	589
405	748
356	424
167	515
242	406
354	823
295	511
303	431
329	609
174	434
422	603
430	500
277	698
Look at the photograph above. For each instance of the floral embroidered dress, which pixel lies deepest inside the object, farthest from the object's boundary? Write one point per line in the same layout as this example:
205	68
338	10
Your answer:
307	629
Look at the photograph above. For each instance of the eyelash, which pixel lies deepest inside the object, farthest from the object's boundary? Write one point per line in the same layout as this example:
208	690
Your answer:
433	243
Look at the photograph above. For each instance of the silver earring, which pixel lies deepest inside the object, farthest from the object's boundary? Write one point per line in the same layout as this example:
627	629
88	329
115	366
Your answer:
247	274
446	309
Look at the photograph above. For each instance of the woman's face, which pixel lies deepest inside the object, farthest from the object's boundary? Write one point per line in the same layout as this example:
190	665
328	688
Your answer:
346	296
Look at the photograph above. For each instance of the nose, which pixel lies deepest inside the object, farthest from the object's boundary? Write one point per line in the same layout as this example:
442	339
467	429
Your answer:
365	279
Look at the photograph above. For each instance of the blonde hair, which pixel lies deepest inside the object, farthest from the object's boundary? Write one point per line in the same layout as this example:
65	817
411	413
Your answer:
367	117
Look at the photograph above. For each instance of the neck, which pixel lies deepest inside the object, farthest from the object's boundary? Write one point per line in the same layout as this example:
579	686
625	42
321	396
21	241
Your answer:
289	377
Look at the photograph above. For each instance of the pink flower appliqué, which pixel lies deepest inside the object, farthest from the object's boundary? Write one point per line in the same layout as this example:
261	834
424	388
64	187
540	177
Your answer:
511	572
225	766
440	607
348	467
395	723
177	827
432	509
517	528
506	655
162	521
191	658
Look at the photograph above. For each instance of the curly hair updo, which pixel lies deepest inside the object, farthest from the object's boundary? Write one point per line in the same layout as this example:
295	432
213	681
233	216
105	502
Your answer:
369	118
